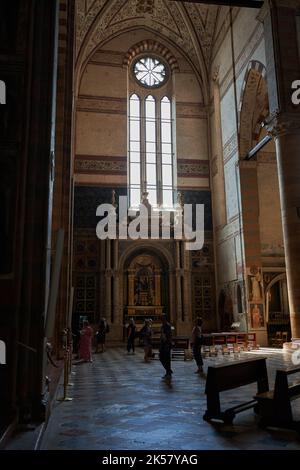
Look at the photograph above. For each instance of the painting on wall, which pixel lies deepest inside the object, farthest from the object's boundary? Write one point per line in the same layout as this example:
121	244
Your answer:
257	316
255	284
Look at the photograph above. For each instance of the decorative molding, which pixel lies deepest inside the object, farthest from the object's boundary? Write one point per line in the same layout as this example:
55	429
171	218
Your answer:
145	6
192	168
230	148
152	47
88	164
259	68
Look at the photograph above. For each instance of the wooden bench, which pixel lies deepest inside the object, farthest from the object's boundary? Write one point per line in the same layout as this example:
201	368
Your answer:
274	407
230	375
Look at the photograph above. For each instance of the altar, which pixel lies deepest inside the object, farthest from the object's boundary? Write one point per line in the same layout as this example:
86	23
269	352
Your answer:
144	290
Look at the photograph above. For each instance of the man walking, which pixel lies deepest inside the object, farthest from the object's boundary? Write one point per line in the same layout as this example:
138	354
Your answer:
165	347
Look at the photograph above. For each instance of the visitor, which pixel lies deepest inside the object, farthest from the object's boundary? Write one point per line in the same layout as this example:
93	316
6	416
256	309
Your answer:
103	329
197	341
146	336
165	347
85	346
130	336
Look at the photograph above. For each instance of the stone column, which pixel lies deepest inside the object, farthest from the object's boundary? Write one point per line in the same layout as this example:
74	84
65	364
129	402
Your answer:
178	284
157	287
172	311
108	275
283	68
118	314
131	273
217	164
187	283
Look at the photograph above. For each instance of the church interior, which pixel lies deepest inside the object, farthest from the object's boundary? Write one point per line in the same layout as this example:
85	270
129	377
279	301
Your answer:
169	105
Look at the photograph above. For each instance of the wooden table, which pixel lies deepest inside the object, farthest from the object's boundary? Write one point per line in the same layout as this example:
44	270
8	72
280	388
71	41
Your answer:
229	375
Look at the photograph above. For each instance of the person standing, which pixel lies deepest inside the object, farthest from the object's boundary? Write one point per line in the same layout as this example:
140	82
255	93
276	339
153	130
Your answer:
103	328
146	336
130	336
85	345
197	344
165	347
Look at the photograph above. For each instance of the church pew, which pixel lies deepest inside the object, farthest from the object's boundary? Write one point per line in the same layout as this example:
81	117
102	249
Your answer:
274	407
229	375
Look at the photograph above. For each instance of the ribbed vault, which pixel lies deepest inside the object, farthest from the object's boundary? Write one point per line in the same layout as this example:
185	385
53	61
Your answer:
188	27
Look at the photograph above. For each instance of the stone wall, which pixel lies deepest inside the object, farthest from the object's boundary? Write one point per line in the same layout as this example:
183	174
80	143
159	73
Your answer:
245	191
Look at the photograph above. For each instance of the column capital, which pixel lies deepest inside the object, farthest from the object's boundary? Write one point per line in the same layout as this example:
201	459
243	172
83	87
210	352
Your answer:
278	124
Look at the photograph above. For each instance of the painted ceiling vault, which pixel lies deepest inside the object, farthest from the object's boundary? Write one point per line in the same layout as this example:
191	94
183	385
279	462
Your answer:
188	26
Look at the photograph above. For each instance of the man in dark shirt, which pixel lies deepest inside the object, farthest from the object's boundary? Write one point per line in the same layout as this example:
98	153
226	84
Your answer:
166	346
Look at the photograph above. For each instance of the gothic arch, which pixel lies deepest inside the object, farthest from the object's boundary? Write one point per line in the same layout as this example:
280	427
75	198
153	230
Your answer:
254	106
82	61
149	246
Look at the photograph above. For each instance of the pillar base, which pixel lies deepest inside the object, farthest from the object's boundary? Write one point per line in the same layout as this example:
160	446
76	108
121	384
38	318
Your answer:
295	325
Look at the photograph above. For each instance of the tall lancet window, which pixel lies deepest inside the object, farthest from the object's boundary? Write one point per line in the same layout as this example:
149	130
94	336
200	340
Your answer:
151	150
166	152
135	150
150	143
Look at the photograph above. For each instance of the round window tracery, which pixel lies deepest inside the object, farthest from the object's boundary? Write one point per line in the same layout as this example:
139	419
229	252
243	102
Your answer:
150	72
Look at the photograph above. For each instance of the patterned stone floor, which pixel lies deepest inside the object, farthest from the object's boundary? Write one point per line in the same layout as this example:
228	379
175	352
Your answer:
119	403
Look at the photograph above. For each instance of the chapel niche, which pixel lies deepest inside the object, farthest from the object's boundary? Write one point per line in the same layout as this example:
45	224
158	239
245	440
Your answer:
145	282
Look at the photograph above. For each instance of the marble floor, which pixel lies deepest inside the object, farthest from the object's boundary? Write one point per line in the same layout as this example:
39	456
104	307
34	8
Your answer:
121	403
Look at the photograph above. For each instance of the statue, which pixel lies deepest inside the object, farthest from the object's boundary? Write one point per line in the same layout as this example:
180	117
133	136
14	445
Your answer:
145	200
180	199
256	293
113	198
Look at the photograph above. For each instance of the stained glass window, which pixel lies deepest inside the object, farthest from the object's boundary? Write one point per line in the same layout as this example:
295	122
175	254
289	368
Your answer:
150	72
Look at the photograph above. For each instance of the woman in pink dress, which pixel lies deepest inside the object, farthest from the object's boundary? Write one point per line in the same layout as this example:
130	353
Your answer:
85	348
